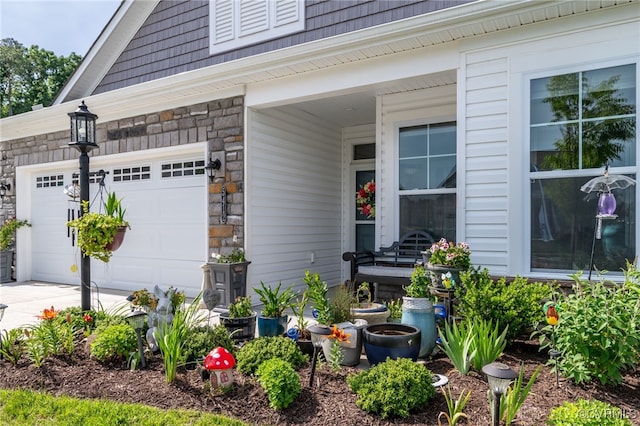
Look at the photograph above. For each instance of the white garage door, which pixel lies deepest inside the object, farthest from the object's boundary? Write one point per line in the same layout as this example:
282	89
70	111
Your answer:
166	202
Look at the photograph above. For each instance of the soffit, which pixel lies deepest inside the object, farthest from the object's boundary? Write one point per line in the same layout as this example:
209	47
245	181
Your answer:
456	23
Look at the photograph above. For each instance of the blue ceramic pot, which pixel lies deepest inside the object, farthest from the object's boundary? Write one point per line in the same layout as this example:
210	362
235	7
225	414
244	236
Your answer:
269	327
391	340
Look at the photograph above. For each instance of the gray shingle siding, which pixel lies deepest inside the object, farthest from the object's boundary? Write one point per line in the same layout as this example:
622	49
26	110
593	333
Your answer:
175	37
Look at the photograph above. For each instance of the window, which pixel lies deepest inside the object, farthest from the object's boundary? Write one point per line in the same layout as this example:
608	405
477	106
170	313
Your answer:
238	23
581	121
427	179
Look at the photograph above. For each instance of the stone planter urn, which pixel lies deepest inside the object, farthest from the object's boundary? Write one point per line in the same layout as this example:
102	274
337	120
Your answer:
372	313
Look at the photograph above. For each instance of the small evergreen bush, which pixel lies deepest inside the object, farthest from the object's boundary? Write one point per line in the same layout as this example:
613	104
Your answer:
281	382
201	340
516	305
587	413
393	388
262	349
114	343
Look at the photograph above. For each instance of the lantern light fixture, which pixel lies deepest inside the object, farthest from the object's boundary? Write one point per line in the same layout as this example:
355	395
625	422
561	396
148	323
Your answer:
136	321
319	334
4	188
83	128
212	167
499	376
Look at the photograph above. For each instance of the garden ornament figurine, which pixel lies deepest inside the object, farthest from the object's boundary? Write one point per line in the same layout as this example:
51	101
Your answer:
163	312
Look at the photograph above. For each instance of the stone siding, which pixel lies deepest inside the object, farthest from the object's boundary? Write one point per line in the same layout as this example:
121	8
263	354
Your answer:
218	122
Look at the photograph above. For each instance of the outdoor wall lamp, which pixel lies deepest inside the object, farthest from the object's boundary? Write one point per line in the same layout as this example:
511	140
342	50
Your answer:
4	188
499	376
211	168
136	321
83	138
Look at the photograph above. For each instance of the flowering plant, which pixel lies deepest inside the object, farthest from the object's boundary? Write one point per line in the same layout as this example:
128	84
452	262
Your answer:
450	254
366	199
236	256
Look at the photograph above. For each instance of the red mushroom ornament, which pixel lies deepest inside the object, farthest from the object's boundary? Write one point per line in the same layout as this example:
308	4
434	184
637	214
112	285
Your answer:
220	362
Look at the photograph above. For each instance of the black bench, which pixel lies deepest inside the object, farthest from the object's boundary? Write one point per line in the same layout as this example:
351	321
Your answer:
389	268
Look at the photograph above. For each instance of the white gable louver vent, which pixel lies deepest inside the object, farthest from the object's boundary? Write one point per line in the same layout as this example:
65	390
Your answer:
238	23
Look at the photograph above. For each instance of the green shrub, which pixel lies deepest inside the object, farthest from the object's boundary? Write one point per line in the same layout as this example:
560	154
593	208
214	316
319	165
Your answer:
262	349
393	388
456	343
516	305
12	345
114	343
488	342
473	343
281	382
86	321
598	330
201	340
587	413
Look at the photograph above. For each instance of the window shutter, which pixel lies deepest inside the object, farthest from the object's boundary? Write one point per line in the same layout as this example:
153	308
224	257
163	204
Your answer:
286	12
222	21
254	17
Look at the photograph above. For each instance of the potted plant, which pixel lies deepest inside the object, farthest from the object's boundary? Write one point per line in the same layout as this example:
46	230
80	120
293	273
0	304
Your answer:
300	332
364	308
100	234
7	240
240	320
229	274
417	309
272	321
445	260
335	312
395	310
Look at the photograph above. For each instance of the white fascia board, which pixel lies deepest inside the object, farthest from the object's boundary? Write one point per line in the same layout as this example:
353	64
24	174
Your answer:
230	78
111	42
354	76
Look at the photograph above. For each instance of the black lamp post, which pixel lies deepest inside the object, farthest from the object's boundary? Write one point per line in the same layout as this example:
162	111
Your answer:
318	335
83	138
136	320
499	376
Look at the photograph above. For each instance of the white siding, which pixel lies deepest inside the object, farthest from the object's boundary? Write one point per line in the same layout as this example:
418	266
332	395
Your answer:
484	103
294	197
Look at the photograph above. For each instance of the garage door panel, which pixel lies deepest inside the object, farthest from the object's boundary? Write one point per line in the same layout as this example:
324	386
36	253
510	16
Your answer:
167	241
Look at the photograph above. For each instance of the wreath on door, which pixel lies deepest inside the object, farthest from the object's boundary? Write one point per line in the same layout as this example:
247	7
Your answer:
366	199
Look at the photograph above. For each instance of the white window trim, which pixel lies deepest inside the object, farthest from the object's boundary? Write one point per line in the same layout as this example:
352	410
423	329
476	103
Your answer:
396	158
526	119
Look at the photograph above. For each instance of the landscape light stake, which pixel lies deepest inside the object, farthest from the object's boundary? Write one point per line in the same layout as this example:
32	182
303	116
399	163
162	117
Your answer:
499	376
136	320
318	335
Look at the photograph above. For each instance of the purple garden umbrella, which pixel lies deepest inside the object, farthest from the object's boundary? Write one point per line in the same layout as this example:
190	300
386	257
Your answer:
603	185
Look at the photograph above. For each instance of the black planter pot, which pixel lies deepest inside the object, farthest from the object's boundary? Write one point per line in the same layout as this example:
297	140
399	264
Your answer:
305	346
241	329
391	340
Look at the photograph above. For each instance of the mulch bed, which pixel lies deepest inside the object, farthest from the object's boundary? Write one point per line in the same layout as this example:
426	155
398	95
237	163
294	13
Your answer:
328	402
